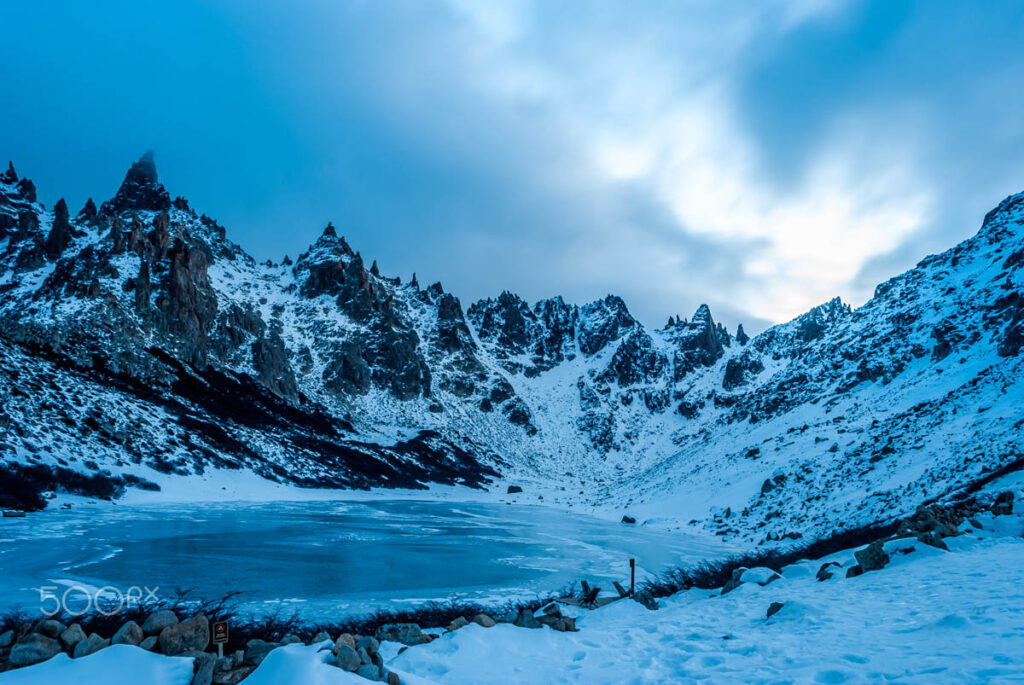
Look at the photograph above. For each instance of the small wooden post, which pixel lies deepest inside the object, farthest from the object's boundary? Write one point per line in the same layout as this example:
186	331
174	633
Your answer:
632	577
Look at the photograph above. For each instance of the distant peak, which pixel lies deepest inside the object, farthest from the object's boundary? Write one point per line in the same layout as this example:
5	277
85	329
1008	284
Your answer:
329	232
140	189
702	315
11	176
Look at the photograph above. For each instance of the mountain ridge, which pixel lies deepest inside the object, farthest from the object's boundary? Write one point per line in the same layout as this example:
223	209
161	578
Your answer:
419	390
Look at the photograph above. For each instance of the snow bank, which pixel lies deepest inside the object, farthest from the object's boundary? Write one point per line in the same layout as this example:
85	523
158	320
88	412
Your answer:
115	664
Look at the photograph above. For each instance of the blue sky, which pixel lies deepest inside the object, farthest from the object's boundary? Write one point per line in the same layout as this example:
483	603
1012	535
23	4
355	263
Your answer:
760	157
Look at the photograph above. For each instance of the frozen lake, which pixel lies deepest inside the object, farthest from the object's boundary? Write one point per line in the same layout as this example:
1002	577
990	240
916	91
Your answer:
327	558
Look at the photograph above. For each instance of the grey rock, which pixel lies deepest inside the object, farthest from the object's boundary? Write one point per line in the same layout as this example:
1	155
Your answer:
364	656
824	573
129	634
393	678
34	648
370	644
90	645
513	489
854	571
932	539
369	672
406	633
459	622
484	620
291	639
6	639
181	637
150	643
774	608
157	621
735	581
346	658
257	650
525	619
204	666
71	636
872	557
322	636
49	627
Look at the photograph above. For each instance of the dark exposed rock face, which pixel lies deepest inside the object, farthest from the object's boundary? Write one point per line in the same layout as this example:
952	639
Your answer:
697	342
739	369
140	190
186	302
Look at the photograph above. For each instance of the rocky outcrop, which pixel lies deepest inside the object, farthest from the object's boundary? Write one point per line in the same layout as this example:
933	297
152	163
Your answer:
140	190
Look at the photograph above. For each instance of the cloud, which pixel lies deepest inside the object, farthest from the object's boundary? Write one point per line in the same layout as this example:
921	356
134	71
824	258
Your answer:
760	158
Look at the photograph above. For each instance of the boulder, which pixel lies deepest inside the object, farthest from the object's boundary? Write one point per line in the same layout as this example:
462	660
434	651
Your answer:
459	622
823	573
49	628
90	645
525	619
257	650
406	633
628	519
364	656
854	571
513	489
872	557
345	639
553	622
322	636
149	643
370	672
181	637
34	648
291	639
203	665
6	639
71	636
129	634
932	539
346	658
774	608
484	620
1003	506
157	621
370	644
393	678
570	624
735	581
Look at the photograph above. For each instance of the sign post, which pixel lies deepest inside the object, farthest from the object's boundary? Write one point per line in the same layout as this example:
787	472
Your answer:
632	577
220	636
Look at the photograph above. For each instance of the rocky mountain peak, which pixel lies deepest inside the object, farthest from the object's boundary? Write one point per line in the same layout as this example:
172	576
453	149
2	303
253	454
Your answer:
139	190
9	176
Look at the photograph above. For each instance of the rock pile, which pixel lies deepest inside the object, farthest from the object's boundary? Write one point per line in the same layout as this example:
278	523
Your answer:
162	632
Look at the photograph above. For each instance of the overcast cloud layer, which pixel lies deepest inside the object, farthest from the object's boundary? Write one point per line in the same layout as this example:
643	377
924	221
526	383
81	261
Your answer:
760	157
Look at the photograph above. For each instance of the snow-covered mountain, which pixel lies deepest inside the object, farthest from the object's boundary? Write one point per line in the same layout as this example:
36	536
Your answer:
136	339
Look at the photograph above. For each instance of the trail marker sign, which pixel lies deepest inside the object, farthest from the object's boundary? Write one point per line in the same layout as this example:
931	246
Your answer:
220	635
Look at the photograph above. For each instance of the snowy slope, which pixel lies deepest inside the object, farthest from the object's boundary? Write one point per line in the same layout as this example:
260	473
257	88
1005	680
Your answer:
153	342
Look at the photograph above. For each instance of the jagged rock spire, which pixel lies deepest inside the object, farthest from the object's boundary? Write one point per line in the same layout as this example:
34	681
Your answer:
10	176
60	232
741	336
88	212
374	270
329	231
140	189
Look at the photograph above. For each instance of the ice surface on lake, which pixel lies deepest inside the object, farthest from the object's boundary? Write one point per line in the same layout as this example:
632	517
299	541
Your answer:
328	558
